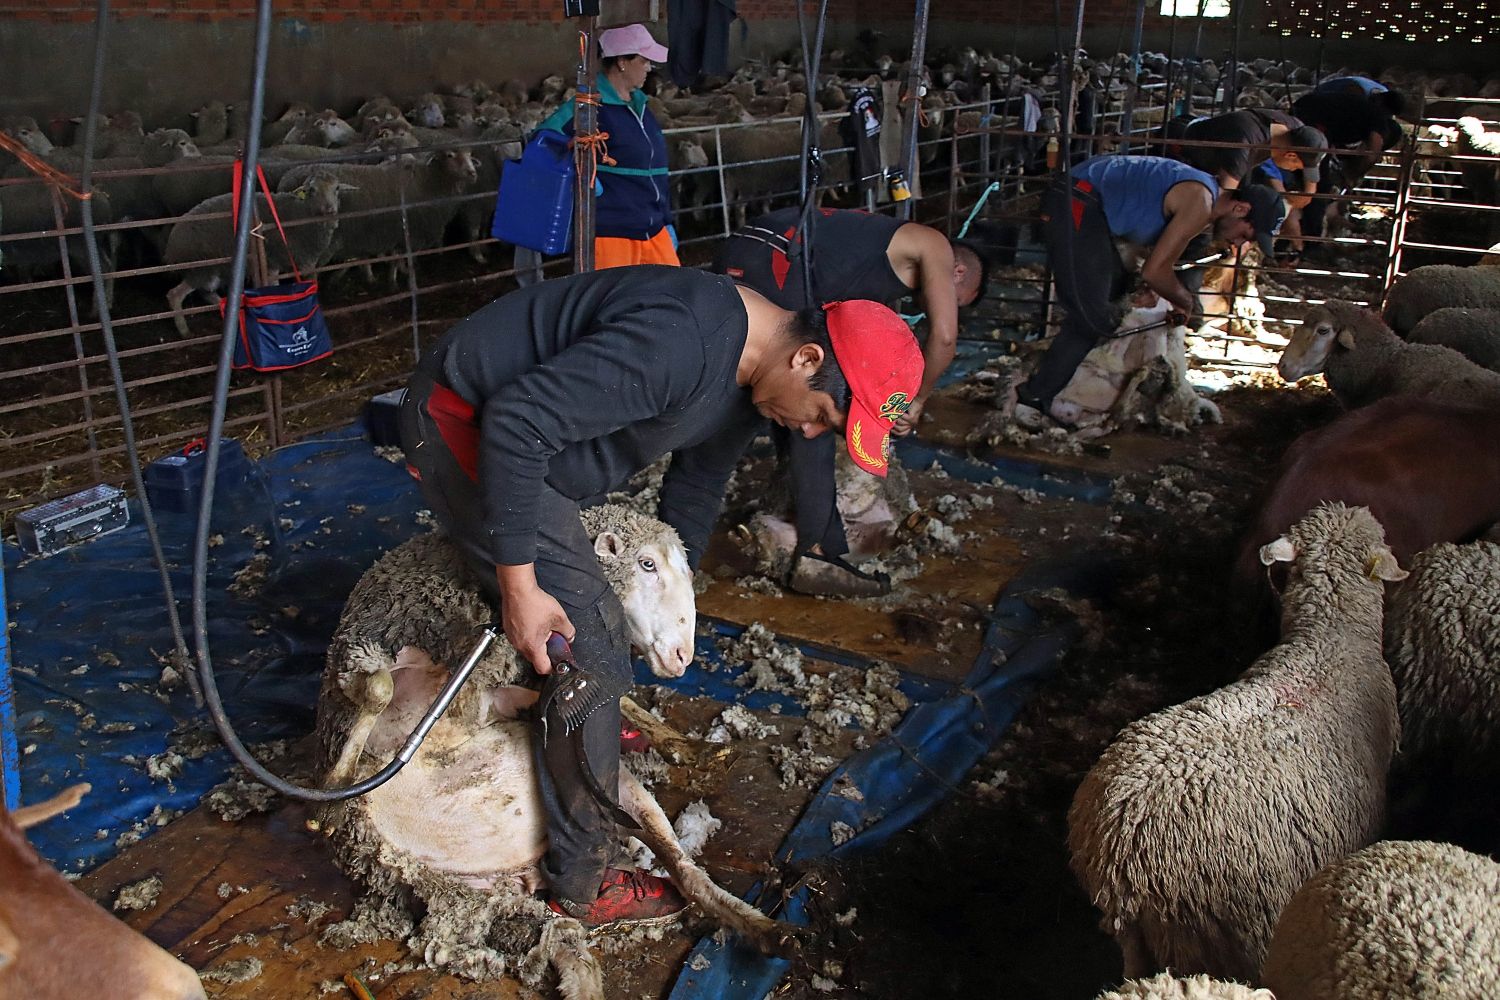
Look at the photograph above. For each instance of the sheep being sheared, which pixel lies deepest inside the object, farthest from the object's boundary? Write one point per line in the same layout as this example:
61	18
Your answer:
1135	378
459	833
872	509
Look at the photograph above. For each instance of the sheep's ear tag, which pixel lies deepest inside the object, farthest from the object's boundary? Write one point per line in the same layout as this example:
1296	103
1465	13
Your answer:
609	545
1382	565
1346	338
1281	550
301	194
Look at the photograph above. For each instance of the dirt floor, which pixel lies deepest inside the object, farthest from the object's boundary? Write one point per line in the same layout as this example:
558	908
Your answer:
975	900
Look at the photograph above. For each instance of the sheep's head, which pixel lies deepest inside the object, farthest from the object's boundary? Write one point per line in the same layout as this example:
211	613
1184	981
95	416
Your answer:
334	130
1334	539
1324	329
427	111
28	133
167	145
646	565
459	166
322	191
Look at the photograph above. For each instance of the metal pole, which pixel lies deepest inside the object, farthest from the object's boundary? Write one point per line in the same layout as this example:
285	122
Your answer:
1399	212
1232	82
987	168
71	296
585	123
10	754
1197	58
914	95
1166	115
1127	120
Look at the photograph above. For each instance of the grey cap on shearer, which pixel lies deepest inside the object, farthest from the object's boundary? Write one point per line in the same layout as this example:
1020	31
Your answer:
1307	137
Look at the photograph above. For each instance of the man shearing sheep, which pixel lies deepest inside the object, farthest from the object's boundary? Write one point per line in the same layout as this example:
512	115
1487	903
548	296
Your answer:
1149	201
558	393
856	255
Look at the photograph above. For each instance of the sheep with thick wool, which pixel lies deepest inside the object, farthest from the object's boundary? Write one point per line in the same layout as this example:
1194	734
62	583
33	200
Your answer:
1364	360
1166	986
1199	822
1474	333
1443	644
1401	920
1438	286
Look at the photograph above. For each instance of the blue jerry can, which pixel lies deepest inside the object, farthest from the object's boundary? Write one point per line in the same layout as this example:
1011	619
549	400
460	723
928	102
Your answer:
534	207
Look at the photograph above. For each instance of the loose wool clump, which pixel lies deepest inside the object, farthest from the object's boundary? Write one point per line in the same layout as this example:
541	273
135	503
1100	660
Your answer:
1199	822
1408	919
1169	987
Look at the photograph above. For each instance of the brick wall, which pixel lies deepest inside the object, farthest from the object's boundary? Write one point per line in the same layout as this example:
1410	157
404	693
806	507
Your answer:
382	11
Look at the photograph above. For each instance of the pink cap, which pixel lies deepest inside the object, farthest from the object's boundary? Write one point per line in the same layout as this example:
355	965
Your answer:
631	40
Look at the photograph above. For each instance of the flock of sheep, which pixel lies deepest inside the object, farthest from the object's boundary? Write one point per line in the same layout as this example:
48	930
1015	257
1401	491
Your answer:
1237	835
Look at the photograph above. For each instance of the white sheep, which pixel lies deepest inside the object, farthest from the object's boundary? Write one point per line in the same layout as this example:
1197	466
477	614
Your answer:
1365	361
1169	987
1427	289
462	828
1199	822
1474	333
1135	378
1443	644
201	243
427	184
1404	920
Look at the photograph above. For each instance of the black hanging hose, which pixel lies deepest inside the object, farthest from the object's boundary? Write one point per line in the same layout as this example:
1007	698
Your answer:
811	174
211	463
107	330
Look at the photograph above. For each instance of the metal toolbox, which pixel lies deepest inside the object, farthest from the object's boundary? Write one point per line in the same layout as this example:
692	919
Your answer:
57	524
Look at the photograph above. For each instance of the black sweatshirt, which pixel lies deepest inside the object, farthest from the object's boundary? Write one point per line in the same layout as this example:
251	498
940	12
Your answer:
583	381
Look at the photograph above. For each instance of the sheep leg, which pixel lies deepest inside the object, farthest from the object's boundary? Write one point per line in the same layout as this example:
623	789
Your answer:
175	299
565	943
670	743
734	914
375	694
28	816
1139	962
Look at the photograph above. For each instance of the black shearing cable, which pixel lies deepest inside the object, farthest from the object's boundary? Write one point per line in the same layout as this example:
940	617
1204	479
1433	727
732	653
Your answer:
182	659
215	434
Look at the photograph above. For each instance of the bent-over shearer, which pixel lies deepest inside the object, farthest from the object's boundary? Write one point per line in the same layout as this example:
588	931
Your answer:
555	394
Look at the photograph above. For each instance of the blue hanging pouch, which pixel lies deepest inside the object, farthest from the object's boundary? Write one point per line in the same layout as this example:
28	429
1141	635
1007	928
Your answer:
281	326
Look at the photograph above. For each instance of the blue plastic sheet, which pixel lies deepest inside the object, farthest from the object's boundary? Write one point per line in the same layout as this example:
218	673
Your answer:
901	777
78	612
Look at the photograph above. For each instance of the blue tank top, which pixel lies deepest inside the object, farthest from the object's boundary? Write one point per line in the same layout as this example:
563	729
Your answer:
1131	190
1351	85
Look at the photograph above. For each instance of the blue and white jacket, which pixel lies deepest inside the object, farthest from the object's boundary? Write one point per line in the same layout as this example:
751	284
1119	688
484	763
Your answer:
635	203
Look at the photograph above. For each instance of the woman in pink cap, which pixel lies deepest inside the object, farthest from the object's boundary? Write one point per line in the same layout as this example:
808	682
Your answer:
633	212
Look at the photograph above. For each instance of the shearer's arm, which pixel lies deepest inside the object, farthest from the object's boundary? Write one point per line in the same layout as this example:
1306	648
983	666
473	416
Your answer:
1189	208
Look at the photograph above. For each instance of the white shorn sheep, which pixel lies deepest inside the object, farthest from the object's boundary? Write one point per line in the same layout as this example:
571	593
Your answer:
1443	644
1427	289
1199	822
1169	987
1365	361
1402	920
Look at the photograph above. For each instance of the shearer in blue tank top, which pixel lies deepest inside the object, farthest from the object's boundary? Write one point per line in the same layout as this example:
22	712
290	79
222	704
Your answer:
1146	200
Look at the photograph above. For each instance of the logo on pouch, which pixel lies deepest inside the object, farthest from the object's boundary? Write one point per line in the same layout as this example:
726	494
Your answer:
895	404
301	336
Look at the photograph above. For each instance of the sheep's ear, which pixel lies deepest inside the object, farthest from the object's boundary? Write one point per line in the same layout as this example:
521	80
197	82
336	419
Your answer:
1346	338
1382	565
1281	550
609	545
348	187
300	194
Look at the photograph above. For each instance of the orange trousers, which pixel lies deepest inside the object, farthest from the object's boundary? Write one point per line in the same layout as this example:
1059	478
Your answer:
615	251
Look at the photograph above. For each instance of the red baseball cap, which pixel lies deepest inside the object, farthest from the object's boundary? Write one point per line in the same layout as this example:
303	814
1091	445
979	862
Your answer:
882	363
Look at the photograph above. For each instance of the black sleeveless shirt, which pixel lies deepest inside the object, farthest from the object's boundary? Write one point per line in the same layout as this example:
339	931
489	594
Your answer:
849	258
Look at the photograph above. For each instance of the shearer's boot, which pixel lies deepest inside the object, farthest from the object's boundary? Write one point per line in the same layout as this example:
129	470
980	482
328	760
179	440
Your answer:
627	895
825	576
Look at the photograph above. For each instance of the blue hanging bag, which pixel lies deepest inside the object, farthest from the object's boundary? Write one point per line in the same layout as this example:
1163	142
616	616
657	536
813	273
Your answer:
534	207
281	326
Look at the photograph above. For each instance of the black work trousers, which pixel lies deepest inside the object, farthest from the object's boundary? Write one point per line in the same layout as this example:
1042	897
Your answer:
579	826
814	490
1089	276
